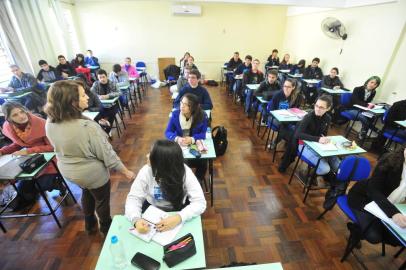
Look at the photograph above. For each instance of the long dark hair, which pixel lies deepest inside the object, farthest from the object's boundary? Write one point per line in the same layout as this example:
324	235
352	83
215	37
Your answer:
295	92
392	161
195	110
82	62
166	159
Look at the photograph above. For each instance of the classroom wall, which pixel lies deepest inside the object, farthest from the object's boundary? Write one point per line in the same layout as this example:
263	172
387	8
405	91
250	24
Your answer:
374	33
146	30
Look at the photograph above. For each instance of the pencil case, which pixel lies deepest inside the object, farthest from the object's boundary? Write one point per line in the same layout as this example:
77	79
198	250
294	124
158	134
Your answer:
176	256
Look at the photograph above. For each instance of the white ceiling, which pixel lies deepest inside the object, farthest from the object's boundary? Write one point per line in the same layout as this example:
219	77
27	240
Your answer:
300	3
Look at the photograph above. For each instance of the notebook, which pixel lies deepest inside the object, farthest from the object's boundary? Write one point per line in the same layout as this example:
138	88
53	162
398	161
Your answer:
154	215
9	166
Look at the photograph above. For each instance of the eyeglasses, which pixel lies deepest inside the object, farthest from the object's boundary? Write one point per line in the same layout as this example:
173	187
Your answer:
319	107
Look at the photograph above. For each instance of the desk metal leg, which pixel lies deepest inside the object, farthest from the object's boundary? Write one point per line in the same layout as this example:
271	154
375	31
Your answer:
294	168
308	185
211	178
259	122
2	227
51	210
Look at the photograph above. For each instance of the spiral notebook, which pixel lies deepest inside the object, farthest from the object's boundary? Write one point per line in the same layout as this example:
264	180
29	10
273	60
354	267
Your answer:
154	215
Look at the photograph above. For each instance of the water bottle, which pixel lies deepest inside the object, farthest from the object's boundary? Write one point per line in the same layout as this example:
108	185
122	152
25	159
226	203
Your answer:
117	253
208	132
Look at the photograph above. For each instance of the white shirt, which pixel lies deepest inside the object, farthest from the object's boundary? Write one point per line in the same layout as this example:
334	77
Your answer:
143	189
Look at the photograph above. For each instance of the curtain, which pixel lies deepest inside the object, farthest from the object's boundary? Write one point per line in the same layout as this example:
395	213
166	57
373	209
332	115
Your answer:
11	39
43	29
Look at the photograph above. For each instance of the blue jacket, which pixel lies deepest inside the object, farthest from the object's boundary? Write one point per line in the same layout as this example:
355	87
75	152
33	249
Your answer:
174	129
201	93
92	61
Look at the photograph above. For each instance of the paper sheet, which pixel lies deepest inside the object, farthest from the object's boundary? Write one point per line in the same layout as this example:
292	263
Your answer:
327	147
154	215
375	210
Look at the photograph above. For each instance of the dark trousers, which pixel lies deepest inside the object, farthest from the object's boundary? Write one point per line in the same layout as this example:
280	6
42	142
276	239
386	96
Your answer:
374	231
98	200
310	94
28	190
200	165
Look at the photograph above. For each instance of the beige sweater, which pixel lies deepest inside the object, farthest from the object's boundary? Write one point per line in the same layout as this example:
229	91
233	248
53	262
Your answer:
84	154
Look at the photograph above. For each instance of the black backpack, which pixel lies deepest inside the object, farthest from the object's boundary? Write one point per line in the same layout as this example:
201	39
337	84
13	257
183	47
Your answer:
220	140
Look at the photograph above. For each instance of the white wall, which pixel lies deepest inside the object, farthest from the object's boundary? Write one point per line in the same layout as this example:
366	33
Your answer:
373	34
394	86
146	30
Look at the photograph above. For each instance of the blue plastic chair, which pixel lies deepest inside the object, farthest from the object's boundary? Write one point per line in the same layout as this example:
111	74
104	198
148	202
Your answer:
359	173
141	69
390	134
345	101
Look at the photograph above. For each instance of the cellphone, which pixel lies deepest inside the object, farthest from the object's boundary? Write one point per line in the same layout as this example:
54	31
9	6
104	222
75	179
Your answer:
145	262
195	152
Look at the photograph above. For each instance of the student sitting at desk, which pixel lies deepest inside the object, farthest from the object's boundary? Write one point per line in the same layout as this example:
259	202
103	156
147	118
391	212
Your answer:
183	60
332	81
397	112
194	88
273	59
25	81
285	63
385	187
188	125
299	67
237	84
78	61
94	104
167	183
84	153
252	76
288	97
119	76
313	71
269	87
64	68
47	74
363	95
20	80
105	88
313	127
182	80
191	63
234	62
129	68
90	60
27	133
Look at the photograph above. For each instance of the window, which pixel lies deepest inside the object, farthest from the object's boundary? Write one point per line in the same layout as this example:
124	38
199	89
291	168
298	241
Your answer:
5	62
73	37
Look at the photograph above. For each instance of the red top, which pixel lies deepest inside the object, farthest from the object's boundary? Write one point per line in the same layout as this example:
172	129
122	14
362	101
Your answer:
35	139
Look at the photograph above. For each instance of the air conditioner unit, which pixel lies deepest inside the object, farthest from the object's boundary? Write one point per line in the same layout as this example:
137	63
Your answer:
186	10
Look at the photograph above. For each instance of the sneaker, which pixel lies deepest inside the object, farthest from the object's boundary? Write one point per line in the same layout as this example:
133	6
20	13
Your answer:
238	99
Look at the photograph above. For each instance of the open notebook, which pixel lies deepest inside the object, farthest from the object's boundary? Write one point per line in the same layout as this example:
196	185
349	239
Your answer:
155	215
375	210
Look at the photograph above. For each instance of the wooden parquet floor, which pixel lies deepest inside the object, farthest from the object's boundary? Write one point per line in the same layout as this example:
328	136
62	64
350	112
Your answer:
257	216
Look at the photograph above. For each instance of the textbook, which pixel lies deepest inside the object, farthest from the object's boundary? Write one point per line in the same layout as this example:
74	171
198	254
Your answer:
154	215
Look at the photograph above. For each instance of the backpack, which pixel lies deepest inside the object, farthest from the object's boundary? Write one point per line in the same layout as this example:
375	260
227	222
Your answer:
212	83
220	140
